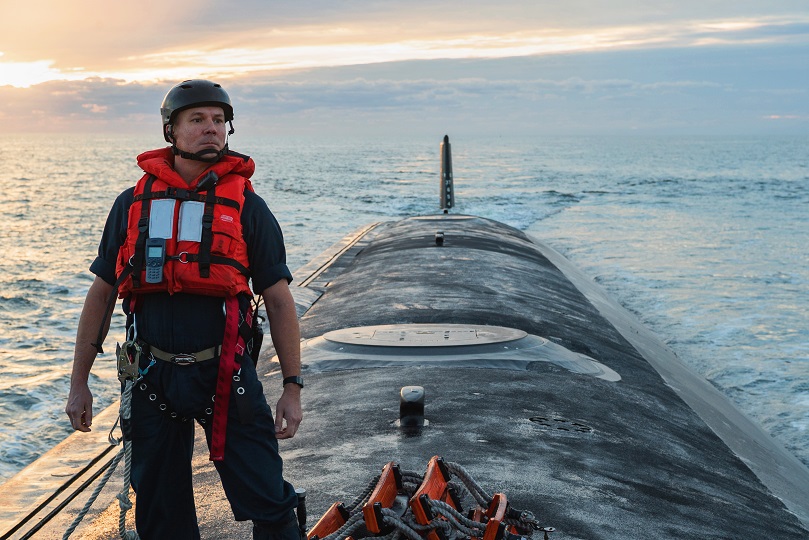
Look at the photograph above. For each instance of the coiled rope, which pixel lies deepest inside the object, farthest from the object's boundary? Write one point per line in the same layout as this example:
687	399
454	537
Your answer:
454	525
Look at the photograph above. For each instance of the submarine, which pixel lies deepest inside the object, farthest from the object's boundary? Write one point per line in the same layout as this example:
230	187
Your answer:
456	347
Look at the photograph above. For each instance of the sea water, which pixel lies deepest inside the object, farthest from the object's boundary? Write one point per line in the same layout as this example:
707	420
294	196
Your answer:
704	239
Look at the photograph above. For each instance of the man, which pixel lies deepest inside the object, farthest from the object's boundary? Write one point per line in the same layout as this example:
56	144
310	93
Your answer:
179	248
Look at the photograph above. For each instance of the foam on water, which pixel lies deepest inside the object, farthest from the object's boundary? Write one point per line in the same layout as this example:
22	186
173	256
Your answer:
703	239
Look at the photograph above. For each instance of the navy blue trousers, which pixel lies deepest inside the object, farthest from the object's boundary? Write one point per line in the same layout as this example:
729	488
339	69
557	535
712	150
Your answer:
162	447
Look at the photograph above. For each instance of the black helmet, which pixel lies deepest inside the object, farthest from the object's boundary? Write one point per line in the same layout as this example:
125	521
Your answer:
194	93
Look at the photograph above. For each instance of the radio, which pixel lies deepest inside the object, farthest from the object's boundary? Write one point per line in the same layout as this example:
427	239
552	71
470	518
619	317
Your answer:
155	259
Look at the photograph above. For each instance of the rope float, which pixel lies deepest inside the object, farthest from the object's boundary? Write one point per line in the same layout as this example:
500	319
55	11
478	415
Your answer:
406	505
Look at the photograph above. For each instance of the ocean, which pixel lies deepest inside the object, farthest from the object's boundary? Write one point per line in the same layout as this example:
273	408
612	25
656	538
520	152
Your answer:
703	239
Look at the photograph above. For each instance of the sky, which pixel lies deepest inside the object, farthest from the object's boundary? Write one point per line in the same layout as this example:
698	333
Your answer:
354	67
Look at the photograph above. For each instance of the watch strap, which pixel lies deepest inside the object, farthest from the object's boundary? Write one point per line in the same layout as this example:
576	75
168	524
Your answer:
296	379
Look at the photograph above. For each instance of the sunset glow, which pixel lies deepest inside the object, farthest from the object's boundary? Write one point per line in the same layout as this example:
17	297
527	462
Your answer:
26	74
629	64
345	47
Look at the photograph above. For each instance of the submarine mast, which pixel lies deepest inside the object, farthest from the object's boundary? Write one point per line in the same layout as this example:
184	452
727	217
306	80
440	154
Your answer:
447	187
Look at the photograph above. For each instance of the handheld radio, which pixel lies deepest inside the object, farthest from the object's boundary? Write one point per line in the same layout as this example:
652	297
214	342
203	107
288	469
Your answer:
155	259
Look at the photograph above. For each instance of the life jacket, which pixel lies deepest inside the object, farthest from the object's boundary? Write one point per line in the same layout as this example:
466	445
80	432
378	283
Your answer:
212	259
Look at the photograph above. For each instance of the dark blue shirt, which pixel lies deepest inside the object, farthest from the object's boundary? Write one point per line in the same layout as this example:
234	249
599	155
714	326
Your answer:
186	322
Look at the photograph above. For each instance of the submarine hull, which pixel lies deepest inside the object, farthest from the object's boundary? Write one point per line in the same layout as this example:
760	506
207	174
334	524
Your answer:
535	381
590	455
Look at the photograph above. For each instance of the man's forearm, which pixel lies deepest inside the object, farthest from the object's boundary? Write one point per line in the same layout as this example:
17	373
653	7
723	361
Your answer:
79	406
93	315
286	337
284	328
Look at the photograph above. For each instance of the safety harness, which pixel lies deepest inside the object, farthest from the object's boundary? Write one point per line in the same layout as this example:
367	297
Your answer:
243	337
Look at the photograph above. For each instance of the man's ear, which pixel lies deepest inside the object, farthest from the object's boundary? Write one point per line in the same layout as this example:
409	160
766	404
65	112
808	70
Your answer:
170	132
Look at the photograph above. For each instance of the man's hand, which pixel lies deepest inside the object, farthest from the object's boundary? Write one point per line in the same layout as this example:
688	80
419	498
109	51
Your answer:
288	412
286	338
80	407
94	315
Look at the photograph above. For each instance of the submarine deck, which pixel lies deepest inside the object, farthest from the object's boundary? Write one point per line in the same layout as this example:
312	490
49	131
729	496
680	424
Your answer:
637	447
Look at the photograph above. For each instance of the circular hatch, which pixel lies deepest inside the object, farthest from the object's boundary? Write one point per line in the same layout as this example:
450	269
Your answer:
424	335
441	345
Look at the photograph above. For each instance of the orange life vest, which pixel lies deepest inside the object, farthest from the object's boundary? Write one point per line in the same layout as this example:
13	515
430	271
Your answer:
214	263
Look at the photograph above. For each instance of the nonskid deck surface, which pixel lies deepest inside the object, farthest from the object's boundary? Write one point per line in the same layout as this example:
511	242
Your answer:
645	463
593	456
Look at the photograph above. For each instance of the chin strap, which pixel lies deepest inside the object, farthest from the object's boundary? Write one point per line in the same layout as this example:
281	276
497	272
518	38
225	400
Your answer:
208	156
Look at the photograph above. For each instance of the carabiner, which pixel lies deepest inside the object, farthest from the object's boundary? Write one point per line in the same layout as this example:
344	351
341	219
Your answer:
132	330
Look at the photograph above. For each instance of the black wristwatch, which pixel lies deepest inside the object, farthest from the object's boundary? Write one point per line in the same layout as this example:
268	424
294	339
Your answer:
297	380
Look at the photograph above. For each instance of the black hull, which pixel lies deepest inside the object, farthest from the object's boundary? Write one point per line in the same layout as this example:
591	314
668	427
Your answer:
601	432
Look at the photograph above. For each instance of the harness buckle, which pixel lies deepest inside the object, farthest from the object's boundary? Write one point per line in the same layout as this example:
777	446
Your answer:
183	359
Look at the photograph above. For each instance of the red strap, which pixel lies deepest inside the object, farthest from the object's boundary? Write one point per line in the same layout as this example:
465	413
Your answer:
227	365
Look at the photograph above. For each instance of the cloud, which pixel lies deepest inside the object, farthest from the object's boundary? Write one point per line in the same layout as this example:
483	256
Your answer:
363	66
610	92
270	40
786	117
63	106
95	108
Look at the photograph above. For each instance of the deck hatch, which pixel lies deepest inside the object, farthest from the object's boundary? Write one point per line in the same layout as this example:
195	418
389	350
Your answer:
442	345
424	335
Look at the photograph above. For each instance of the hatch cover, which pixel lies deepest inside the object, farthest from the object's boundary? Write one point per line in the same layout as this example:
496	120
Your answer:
442	345
424	335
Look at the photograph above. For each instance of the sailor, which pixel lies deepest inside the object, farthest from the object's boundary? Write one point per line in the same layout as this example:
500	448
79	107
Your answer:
183	248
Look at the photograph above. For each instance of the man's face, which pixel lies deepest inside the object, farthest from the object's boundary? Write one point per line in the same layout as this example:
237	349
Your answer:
200	128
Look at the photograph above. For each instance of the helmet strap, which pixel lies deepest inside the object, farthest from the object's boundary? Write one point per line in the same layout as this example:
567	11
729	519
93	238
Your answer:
208	156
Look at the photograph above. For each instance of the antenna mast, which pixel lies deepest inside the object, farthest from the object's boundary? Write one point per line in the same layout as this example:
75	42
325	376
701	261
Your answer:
447	187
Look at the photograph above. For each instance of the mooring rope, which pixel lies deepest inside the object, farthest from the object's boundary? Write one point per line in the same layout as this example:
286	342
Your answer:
363	497
467	526
94	496
123	496
391	518
475	489
354	523
452	522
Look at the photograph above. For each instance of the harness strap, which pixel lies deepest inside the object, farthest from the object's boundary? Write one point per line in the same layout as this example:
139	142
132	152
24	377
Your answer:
143	234
207	234
185	195
214	259
157	399
238	321
182	358
245	346
227	366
